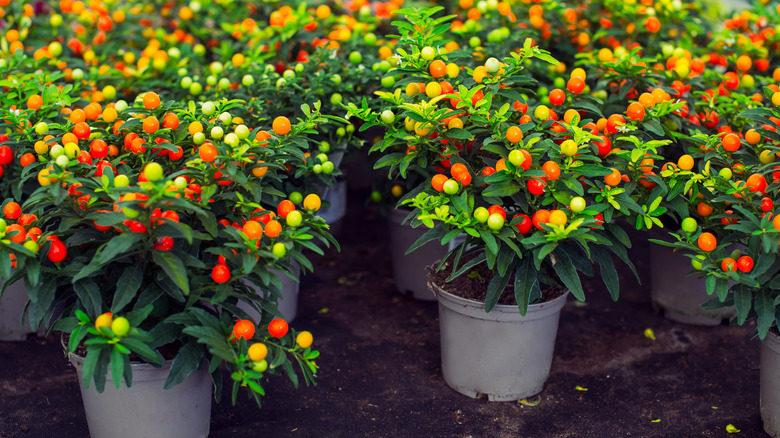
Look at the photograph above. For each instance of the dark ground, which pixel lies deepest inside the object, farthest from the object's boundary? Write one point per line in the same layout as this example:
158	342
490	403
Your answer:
380	372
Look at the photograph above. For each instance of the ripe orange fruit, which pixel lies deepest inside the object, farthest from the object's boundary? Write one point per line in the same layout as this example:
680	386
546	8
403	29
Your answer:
207	152
613	178
312	202
151	100
514	134
285	207
281	125
19	237
438	180
151	124
244	328
707	242
273	228
253	230
12	210
34	102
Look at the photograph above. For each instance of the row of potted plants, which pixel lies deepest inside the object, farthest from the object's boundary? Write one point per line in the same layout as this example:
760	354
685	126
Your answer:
537	194
491	139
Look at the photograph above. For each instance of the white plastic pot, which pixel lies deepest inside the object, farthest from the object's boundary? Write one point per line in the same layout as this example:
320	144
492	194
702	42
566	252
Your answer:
501	354
678	294
12	305
288	303
146	410
409	271
770	384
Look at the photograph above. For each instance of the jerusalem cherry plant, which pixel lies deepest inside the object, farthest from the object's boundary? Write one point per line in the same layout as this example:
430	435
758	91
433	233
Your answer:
150	221
534	196
732	230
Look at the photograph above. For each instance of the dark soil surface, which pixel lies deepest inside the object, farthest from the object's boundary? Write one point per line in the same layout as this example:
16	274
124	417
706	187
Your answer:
380	368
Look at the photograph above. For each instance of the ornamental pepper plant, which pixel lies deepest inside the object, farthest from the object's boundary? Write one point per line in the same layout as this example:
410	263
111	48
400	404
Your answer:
148	221
534	194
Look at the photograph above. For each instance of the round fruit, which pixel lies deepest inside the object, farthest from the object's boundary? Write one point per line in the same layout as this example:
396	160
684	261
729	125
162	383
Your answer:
304	339
745	263
279	250
450	187
278	328
153	172
689	225
577	204
312	202
57	252
257	351
707	242
495	221
104	320
294	218
481	214
120	326
244	328
220	273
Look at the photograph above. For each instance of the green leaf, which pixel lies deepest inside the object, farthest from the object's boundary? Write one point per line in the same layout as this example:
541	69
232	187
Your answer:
88	293
490	242
127	286
174	268
117	366
109	252
743	300
765	309
608	272
501	190
90	362
526	285
568	274
143	350
495	288
188	360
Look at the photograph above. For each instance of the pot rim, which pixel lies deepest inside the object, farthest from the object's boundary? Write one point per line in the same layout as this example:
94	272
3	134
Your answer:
499	308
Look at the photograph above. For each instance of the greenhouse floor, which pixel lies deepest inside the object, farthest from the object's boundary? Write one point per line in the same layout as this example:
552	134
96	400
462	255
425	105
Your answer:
380	367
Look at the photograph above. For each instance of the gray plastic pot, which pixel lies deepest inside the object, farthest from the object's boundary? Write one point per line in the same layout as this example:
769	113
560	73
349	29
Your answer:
501	354
146	410
678	294
770	384
409	271
288	303
337	197
11	307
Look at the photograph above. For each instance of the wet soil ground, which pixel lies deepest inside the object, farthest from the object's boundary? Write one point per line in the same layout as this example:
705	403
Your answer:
381	377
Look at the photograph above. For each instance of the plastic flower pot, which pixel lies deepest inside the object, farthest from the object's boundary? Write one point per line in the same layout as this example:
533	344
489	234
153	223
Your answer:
337	197
409	269
770	384
501	354
12	305
145	409
288	303
678	294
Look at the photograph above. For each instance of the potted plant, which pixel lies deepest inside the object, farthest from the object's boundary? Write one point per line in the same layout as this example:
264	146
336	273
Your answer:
734	246
25	91
147	221
516	185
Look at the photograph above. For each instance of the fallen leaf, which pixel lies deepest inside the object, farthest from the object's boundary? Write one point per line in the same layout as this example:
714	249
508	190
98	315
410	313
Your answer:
536	402
580	388
731	429
657	420
649	334
714	407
